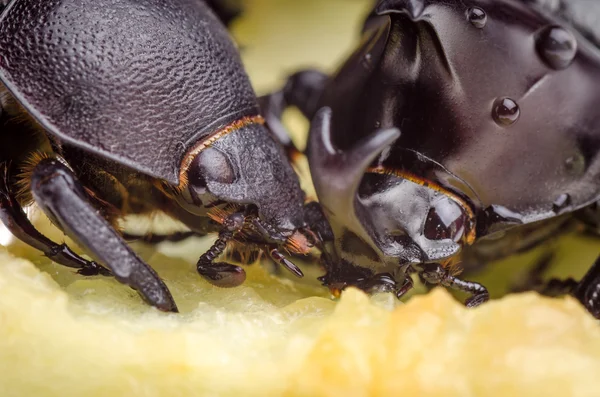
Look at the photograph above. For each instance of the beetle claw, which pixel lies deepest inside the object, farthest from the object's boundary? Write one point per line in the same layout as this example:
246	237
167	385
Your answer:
283	261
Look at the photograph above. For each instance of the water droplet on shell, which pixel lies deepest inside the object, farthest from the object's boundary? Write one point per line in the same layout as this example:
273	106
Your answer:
556	46
505	112
477	17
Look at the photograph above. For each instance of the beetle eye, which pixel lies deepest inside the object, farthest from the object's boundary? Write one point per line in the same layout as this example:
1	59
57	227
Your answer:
210	165
445	220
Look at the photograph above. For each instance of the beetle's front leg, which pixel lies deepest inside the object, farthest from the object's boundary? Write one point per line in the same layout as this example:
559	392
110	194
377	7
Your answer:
16	221
59	194
303	90
223	274
272	237
434	273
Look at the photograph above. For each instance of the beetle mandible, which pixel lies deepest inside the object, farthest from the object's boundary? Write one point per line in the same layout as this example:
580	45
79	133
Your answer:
488	125
116	107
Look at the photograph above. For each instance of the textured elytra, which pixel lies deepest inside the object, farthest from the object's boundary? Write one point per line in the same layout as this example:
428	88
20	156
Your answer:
138	81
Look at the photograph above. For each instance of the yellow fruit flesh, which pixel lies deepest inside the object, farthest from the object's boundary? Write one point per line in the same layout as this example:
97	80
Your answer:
94	337
65	335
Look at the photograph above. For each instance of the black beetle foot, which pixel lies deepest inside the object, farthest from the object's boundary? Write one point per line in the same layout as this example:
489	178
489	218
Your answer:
434	273
222	274
477	299
218	273
94	269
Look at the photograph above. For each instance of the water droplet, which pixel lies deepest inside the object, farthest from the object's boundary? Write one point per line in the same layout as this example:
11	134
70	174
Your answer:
563	201
477	17
556	46
505	112
377	124
368	57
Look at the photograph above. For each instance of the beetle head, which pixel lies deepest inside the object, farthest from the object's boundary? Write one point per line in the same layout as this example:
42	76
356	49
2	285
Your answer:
382	219
248	168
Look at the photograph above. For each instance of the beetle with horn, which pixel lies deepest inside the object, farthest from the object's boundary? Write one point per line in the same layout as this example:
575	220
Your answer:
486	125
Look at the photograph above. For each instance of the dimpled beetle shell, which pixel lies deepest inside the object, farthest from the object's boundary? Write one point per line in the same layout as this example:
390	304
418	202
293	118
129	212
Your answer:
496	100
175	79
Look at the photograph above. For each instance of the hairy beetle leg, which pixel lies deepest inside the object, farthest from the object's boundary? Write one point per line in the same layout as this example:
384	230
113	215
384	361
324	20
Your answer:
15	220
434	273
222	274
59	194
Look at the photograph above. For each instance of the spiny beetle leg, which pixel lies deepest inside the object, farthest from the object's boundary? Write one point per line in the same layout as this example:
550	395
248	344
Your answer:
268	233
160	238
15	220
434	273
303	90
222	274
588	290
60	195
313	213
279	258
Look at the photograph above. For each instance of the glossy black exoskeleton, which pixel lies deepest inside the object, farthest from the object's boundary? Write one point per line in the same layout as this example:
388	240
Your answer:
116	107
488	125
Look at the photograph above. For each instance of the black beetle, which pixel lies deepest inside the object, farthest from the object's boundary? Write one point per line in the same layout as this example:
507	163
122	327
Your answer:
497	104
115	107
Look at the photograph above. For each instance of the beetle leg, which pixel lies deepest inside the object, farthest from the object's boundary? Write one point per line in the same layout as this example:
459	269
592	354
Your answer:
406	286
588	290
318	224
558	287
534	277
381	282
279	258
272	236
303	90
159	238
15	220
434	273
268	233
222	274
59	194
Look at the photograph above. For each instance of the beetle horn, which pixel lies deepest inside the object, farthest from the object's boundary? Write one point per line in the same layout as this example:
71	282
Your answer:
337	174
414	8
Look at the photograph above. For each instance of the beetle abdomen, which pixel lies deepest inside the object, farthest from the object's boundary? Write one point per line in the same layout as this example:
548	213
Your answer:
135	81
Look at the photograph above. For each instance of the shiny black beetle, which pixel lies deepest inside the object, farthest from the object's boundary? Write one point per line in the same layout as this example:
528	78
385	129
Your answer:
115	107
488	141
